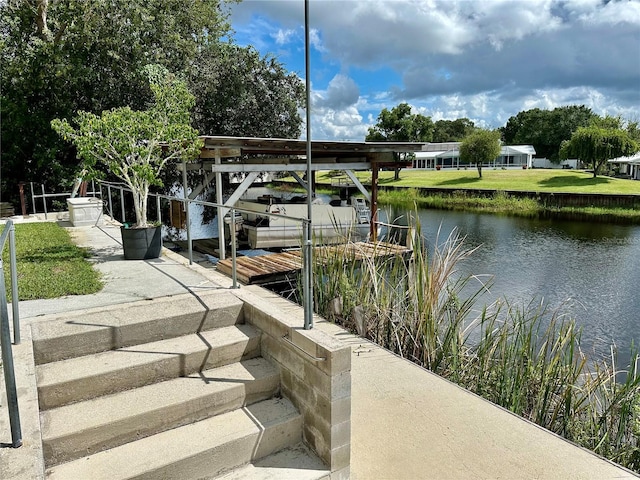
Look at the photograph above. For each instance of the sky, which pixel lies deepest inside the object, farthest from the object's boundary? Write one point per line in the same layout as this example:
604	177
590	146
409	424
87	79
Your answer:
485	60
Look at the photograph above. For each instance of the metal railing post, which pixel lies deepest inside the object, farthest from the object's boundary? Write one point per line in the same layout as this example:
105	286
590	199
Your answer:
110	203
33	199
14	284
232	230
306	277
7	355
122	204
158	208
44	202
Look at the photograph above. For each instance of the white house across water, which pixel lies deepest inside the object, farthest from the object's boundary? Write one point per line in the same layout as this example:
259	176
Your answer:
629	166
447	155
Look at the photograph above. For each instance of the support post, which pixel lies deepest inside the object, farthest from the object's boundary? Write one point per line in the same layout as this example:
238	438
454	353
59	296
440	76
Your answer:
23	205
221	211
232	230
7	366
13	265
44	202
122	204
187	217
308	248
374	201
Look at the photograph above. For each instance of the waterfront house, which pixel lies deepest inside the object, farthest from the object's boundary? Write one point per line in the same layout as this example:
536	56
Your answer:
447	155
629	166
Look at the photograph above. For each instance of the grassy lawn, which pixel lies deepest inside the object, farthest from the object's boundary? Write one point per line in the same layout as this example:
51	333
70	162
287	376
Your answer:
50	265
534	180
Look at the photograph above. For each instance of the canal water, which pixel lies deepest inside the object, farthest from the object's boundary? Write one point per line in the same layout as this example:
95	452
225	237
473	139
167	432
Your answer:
587	271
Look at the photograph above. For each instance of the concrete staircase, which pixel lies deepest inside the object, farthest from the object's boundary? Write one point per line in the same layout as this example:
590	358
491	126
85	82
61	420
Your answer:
174	388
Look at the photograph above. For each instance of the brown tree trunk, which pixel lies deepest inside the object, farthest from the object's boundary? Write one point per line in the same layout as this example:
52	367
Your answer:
41	19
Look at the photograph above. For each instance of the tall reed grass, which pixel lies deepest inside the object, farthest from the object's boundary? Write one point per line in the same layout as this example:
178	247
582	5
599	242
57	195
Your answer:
525	358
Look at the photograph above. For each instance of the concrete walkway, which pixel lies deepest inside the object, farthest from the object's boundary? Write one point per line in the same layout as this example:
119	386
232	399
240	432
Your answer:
406	422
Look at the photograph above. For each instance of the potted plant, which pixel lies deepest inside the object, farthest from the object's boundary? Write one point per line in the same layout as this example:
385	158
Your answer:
135	146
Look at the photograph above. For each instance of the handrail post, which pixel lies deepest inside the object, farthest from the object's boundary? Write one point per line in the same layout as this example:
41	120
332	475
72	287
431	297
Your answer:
306	277
232	230
14	284
122	204
7	363
110	203
44	202
158	208
33	199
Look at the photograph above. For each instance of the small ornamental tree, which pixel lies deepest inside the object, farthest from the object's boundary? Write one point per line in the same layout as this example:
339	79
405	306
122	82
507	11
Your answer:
480	147
136	145
595	145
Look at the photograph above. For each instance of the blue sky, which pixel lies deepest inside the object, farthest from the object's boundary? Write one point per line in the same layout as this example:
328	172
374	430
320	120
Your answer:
482	59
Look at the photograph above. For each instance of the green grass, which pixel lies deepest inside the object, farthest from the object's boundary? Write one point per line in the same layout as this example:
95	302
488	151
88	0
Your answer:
531	180
49	264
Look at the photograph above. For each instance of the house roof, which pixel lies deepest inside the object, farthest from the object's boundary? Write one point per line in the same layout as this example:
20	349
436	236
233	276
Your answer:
631	159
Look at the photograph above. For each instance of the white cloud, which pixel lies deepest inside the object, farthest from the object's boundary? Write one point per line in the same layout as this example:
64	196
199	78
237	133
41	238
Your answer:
484	60
282	37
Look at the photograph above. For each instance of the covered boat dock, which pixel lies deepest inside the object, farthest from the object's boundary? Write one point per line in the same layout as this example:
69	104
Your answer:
253	156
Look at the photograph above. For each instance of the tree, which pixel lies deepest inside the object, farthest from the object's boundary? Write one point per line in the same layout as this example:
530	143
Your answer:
595	145
240	93
400	125
546	129
480	147
452	130
64	56
136	145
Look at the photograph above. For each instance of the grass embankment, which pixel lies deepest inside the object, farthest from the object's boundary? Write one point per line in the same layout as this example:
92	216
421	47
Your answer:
49	264
523	358
500	181
531	180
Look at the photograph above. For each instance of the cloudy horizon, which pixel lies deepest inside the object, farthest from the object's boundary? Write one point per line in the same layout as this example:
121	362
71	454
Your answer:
484	60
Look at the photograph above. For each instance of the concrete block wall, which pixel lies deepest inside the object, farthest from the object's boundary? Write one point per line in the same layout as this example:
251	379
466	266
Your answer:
315	375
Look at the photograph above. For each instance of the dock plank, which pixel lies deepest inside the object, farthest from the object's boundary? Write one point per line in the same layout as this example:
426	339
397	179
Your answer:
279	266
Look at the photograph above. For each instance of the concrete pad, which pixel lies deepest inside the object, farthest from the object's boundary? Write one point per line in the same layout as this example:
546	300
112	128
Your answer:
125	280
297	463
408	423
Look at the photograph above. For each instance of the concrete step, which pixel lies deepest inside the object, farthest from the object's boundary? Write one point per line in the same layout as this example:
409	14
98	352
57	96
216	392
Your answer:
204	449
295	463
82	378
85	428
75	334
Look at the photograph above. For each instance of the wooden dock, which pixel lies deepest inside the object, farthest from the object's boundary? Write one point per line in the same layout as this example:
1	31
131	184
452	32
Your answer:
283	266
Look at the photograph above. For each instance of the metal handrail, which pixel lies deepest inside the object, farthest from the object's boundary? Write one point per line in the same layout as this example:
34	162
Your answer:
305	223
5	334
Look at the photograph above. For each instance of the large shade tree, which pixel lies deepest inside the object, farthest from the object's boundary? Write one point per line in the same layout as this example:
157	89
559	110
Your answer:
59	57
546	129
596	144
452	130
480	147
401	125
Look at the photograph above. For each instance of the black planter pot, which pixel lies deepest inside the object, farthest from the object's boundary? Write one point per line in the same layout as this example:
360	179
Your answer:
141	243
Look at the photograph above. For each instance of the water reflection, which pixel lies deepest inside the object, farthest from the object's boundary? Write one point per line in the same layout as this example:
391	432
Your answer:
589	271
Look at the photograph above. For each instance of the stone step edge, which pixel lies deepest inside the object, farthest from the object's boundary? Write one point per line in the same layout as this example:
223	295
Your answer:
200	450
62	336
74	431
57	388
293	463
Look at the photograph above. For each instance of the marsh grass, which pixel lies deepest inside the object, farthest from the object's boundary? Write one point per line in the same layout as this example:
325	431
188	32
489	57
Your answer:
502	203
524	358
